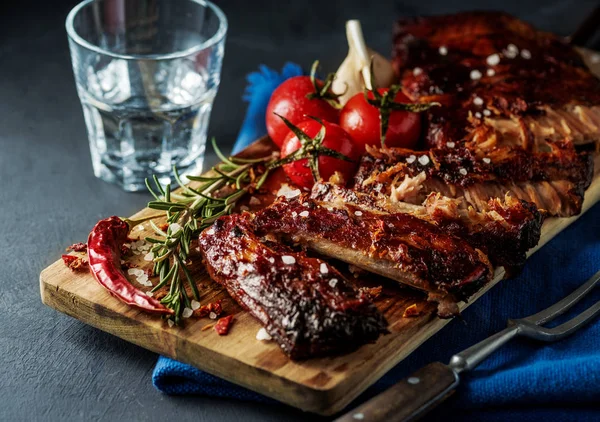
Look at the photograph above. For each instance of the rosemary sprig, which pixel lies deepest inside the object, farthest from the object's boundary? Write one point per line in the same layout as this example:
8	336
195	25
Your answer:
189	211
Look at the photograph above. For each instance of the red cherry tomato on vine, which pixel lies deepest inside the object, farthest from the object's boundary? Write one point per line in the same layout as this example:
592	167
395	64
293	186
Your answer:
335	139
291	101
362	122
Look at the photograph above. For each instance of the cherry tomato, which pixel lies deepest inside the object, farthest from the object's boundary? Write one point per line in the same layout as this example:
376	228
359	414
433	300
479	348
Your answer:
362	122
290	101
335	139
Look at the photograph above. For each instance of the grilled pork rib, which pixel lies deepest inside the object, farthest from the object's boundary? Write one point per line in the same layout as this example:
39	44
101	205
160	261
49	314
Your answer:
505	232
305	304
554	182
398	246
519	105
528	79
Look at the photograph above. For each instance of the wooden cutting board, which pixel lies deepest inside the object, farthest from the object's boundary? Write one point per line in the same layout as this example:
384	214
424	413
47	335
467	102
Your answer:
324	385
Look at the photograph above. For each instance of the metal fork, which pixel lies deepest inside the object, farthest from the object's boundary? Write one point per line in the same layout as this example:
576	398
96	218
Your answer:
417	394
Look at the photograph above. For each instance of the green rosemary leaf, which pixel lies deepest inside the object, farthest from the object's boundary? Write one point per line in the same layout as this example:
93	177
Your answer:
151	190
220	154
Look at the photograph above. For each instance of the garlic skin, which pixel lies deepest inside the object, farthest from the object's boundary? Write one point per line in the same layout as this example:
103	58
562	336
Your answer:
354	73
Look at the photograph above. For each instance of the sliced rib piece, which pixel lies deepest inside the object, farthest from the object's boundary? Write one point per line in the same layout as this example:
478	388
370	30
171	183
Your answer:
554	182
505	232
399	246
305	304
491	69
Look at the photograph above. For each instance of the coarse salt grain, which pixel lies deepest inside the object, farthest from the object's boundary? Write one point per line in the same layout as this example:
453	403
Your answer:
463	171
493	59
358	213
411	159
287	191
288	259
212	315
323	268
170	322
303	214
513	48
487	160
595	58
443	50
140	227
475	74
175	227
294	213
510	54
333	282
149	256
424	160
210	231
149	294
417	71
478	115
131	271
450	144
526	54
187	312
244	208
490	72
263	335
486	112
272	260
478	101
195	305
254	201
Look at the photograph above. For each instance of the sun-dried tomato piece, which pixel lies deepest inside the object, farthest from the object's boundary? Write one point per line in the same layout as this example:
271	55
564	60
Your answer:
223	325
75	263
78	247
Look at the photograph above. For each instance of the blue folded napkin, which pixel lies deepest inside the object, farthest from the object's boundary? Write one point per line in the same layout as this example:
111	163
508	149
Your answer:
525	380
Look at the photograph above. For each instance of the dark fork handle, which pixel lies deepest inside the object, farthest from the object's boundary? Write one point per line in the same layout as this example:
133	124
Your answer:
409	399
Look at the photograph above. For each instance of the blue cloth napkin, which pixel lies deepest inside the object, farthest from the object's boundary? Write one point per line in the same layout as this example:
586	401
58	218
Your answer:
523	381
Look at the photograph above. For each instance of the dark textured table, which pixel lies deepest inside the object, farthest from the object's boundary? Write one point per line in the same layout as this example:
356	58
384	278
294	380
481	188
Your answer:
53	367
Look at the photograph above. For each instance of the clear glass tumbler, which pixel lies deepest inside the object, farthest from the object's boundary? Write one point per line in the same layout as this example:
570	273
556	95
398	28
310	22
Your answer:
147	72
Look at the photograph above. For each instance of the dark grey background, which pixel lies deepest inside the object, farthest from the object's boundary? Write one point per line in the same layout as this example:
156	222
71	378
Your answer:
53	367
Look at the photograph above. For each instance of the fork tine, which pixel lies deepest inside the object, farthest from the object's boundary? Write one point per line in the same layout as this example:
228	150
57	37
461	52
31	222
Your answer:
563	330
565	304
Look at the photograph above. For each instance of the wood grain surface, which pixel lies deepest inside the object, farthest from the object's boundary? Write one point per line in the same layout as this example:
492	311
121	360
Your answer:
324	385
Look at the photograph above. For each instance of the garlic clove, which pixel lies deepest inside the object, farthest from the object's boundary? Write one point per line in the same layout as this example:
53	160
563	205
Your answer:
354	73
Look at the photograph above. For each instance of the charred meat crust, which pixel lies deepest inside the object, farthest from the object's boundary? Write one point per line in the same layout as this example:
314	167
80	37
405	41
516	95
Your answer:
305	304
505	233
398	246
535	69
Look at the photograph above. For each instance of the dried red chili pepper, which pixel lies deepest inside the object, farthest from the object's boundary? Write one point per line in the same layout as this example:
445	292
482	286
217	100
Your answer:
223	325
77	247
205	310
75	263
104	253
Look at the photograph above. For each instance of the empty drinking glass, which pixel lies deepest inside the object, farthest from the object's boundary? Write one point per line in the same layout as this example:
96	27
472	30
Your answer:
147	72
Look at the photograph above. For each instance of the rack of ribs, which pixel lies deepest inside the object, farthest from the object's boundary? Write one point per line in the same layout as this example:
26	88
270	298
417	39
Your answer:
505	232
520	114
399	246
304	303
